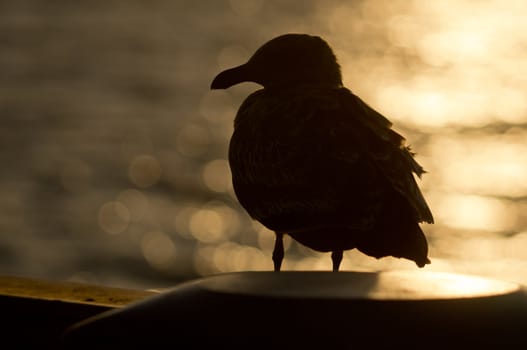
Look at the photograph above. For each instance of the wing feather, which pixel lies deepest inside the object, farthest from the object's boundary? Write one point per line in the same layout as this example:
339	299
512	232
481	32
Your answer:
387	149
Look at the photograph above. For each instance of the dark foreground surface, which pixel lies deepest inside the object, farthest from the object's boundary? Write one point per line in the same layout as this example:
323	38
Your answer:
350	309
36	312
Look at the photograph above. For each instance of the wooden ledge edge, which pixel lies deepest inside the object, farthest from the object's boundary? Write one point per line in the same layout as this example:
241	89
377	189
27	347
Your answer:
72	292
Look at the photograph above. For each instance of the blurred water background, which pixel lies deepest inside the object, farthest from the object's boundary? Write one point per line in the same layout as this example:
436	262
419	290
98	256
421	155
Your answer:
113	149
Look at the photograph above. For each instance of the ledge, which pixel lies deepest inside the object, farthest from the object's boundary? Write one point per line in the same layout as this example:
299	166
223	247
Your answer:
36	312
268	310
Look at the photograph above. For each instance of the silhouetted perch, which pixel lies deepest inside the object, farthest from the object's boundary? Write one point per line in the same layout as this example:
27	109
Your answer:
266	310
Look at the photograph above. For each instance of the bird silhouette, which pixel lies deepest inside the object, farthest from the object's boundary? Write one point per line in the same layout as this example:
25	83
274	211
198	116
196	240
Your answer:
312	160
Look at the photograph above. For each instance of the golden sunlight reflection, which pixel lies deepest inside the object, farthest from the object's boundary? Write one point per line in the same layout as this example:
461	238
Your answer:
473	212
234	257
246	7
493	165
231	56
76	175
203	264
471	71
395	285
114	217
217	106
158	249
181	221
144	171
217	175
266	239
135	201
214	223
207	226
192	140
314	263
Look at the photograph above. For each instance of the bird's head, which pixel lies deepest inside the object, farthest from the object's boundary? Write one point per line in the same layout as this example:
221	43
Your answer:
287	60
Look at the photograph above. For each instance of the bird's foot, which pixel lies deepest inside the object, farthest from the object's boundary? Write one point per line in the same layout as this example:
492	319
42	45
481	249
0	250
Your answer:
336	257
278	252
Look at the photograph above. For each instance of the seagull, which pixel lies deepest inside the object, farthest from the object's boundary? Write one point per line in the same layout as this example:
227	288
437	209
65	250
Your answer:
312	160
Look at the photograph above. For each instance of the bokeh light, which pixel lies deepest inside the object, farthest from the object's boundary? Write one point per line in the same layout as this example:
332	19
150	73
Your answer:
231	56
207	226
136	203
144	171
482	163
193	140
217	107
114	217
214	223
76	175
473	212
246	7
159	250
217	175
266	239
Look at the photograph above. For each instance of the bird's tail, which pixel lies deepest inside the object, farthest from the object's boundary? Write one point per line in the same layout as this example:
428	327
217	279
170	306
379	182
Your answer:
407	242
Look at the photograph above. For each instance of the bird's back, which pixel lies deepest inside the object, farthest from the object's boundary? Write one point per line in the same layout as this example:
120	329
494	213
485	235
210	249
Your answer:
319	164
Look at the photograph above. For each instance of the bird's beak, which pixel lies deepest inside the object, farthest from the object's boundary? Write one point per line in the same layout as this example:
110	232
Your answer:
231	77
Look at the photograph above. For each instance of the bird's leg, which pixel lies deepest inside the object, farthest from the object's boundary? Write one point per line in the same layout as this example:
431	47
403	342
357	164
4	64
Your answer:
278	252
336	257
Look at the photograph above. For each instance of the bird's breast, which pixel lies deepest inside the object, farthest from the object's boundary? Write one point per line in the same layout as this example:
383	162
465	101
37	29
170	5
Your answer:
281	139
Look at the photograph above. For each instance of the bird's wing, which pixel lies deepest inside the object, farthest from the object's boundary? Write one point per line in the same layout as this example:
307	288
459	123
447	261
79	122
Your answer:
319	151
286	169
384	147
